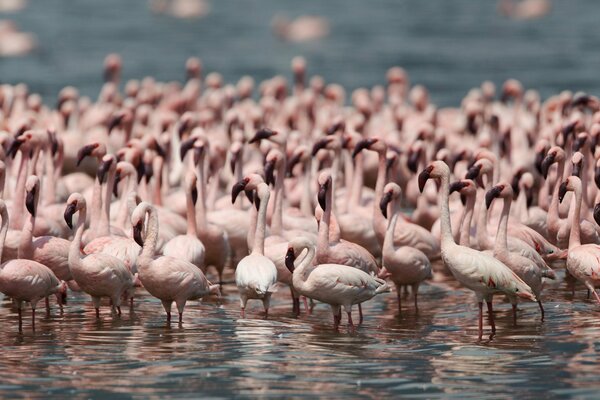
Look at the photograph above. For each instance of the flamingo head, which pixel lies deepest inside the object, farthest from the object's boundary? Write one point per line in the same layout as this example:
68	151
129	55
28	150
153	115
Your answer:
273	160
300	154
571	184
437	169
247	184
32	188
263	133
335	127
290	257
541	150
465	187
580	141
137	221
61	293
415	154
108	163
93	149
390	191
374	143
327	142
235	154
577	161
555	154
501	190
75	203
391	159
324	186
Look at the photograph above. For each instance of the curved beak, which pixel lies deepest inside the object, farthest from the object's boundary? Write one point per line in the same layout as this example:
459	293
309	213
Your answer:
115	121
261	134
562	191
84	152
546	163
457	186
424	177
413	160
383	204
334	128
30	201
269	172
473	172
194	194
289	259
539	159
233	159
185	146
14	146
579	143
137	234
237	189
492	194
53	142
69	212
103	169
320	144
515	183
295	159
577	169
322	195
568	130
361	145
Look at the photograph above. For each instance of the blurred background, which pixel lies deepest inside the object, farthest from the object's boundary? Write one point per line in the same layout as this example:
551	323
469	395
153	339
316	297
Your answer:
447	45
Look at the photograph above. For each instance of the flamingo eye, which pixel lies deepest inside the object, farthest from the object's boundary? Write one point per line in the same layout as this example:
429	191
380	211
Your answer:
517	289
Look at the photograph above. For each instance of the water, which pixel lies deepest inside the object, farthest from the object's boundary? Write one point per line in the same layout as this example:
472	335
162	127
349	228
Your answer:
448	45
435	353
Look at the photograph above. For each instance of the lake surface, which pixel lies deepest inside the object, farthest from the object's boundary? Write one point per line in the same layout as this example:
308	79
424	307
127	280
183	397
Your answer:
434	353
449	46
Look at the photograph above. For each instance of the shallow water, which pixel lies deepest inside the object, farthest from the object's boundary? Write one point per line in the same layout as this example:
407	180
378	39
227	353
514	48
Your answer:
447	45
435	353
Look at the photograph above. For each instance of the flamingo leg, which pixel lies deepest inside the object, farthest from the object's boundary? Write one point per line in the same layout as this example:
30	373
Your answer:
360	314
596	295
47	306
514	310
181	318
33	318
491	315
588	294
480	320
97	312
541	308
168	317
119	310
266	302
350	324
399	296
306	308
416	291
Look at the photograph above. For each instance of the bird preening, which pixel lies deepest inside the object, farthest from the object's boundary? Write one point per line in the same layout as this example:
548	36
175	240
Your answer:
177	191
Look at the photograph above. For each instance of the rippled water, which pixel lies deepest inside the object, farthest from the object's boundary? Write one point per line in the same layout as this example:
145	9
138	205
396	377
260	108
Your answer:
434	353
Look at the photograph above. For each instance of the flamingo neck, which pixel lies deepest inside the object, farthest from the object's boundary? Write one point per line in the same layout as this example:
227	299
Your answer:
553	217
252	228
74	250
305	202
149	248
201	203
259	237
50	181
3	229
25	250
465	222
388	242
277	218
192	230
483	239
305	266
357	182
446	228
96	206
124	209
19	197
378	220
104	225
501	243
158	180
575	234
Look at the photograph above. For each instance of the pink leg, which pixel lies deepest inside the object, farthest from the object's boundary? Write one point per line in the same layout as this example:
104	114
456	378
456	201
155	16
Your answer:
243	312
350	324
97	312
306	307
33	319
541	308
480	320
399	296
168	317
514	310
360	314
596	296
119	310
180	318
491	314
47	306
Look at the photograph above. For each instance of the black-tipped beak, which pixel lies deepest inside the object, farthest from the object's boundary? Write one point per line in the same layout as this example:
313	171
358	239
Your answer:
319	144
141	172
322	195
515	183
334	128
413	161
289	259
270	172
424	177
548	161
30	201
261	134
389	163
539	159
577	169
148	171
185	146
492	194
383	204
137	233
256	200
237	189
568	130
84	152
159	149
597	177
233	159
562	191
295	159
103	170
118	178
597	213
183	126
582	100
115	121
529	197
473	172
14	146
194	194
69	211
53	142
579	143
457	186
363	144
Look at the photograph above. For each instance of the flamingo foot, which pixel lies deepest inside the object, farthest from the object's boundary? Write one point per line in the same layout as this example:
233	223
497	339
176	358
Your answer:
514	310
47	306
97	313
243	313
360	314
168	317
180	318
541	309
491	315
350	324
480	320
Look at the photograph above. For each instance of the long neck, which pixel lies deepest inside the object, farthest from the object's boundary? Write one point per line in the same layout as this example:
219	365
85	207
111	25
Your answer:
201	204
348	178
252	228
25	250
277	218
501	244
483	239
446	228
124	212
96	206
335	169
465	223
50	180
388	242
575	235
19	197
104	226
74	250
377	216
158	177
553	216
3	230
149	248
191	214
357	182
323	239
259	238
305	202
304	268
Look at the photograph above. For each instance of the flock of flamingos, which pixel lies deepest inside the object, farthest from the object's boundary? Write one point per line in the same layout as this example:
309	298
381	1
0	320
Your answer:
275	182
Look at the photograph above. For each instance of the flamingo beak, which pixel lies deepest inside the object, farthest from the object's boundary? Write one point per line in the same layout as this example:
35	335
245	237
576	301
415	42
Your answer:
322	195
413	161
115	121
237	189
320	144
69	211
424	177
289	259
547	162
194	194
579	143
269	172
577	170
30	201
457	186
103	169
295	159
562	191
137	234
261	134
185	146
473	172
492	194
233	159
539	159
363	144
383	204
84	152
334	128
526	295
14	146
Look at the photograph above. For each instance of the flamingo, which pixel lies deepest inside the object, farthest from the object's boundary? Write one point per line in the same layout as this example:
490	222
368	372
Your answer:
582	259
256	274
26	280
333	284
479	272
170	279
406	265
99	275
